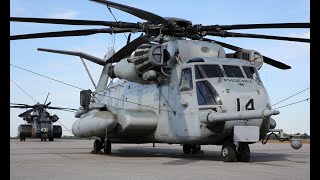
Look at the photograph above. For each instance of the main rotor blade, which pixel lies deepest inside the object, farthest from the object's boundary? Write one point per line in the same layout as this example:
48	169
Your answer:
76	22
20	107
255	26
135	11
76	53
61	108
128	49
67	110
82	32
266	59
26	113
232	34
20	104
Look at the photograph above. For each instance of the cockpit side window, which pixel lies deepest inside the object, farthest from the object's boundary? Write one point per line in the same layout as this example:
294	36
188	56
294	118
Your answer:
233	71
186	80
207	71
251	72
206	94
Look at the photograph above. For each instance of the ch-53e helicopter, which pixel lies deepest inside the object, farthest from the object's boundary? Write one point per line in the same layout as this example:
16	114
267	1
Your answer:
39	122
175	86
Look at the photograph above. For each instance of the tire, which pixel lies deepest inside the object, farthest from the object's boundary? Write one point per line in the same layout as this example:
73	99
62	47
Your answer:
187	149
51	139
243	154
228	153
107	147
196	148
97	146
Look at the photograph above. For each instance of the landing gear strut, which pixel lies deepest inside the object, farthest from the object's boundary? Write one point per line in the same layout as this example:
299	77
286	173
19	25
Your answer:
231	153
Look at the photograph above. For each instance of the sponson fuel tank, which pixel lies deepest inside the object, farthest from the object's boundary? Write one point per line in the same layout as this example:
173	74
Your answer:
135	122
94	124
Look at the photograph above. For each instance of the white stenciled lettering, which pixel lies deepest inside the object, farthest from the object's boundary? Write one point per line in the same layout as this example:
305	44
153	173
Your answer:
238	80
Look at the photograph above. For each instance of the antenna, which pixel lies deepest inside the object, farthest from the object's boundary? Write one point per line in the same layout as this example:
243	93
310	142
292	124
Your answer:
46	98
23	90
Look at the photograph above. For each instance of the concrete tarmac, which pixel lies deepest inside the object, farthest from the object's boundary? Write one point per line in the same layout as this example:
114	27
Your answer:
72	160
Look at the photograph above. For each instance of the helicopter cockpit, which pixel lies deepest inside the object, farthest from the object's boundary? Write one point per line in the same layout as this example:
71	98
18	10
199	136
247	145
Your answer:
212	79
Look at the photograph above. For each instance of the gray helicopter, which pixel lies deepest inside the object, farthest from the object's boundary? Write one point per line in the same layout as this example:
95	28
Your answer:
175	86
39	122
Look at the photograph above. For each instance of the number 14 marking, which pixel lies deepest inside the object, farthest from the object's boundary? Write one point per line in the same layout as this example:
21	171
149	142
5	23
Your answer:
249	105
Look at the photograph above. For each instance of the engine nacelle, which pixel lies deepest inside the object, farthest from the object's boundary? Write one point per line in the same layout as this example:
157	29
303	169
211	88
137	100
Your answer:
27	118
25	130
54	118
252	56
148	64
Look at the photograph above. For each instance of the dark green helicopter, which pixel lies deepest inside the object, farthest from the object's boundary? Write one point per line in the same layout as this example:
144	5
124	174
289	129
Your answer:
39	122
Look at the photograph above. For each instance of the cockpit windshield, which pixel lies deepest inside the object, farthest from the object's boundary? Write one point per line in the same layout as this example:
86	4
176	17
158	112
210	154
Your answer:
233	71
251	72
208	71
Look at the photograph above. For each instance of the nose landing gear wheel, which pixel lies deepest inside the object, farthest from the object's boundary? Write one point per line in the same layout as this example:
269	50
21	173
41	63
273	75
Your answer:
243	154
228	152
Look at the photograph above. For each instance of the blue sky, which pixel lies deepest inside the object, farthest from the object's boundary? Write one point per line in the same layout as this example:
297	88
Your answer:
280	84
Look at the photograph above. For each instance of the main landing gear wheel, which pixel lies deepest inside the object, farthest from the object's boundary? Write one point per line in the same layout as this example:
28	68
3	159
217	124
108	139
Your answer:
187	149
107	147
196	149
243	153
228	152
97	146
50	139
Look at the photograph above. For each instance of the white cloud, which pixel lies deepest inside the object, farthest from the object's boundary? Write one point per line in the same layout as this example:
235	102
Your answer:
64	14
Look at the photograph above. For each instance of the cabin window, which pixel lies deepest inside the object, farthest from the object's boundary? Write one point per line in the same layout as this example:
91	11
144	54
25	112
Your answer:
233	71
251	72
206	94
207	71
186	80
